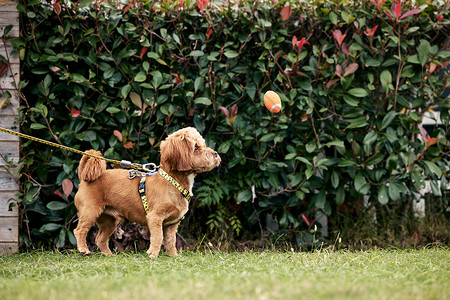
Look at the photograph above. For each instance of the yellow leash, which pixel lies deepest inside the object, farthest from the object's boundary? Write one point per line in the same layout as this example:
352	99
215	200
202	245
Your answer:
123	163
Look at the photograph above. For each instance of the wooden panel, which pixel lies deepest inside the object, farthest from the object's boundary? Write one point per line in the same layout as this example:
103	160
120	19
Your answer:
7	183
6	201
10	151
9	248
8	122
8	80
11	108
10	53
9	229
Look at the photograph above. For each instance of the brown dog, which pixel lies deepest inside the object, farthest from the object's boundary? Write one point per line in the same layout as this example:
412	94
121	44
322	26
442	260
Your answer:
106	197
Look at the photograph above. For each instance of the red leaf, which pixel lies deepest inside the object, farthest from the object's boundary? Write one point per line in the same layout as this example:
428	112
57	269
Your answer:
233	110
128	145
397	9
339	36
75	112
380	4
143	51
208	34
331	82
410	13
432	67
59	194
225	111
306	219
338	70
286	13
3	68
345	49
67	186
294	41
351	69
118	135
56	8
126	9
432	141
423	133
389	15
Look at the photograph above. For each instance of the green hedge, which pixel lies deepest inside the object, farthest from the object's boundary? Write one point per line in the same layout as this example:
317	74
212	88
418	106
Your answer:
355	80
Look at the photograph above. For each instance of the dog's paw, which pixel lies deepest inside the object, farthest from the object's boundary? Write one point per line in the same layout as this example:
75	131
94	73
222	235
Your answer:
85	252
152	254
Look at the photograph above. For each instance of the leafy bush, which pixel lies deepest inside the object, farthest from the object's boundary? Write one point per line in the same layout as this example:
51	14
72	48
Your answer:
355	81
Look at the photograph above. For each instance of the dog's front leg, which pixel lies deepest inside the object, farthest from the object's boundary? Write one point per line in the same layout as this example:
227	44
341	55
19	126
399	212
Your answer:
170	239
156	234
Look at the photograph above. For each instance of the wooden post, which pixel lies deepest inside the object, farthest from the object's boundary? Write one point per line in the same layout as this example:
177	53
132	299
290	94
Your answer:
9	144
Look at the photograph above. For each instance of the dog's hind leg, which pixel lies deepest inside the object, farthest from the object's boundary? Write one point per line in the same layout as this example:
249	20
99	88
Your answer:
107	225
86	218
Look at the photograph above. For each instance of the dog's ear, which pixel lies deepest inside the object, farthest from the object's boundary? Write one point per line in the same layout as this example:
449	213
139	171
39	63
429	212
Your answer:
176	152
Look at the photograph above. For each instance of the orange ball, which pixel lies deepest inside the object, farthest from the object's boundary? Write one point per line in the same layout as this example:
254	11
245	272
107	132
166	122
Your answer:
272	101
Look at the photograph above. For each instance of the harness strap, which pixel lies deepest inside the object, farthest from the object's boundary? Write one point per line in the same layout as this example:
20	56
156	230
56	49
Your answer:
170	179
141	190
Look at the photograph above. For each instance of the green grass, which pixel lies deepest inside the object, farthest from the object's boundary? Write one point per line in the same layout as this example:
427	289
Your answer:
375	274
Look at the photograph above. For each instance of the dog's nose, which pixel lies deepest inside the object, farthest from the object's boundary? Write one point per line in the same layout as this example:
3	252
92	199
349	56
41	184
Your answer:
215	154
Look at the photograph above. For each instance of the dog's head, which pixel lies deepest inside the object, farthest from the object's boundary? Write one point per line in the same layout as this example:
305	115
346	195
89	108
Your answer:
186	150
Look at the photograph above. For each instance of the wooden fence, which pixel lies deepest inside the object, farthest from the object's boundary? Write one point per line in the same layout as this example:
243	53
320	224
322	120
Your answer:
9	144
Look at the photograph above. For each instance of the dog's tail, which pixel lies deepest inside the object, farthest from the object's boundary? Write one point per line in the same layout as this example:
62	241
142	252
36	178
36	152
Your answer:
91	168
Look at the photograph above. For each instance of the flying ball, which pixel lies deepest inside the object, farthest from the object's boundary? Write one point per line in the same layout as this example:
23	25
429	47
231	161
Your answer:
272	101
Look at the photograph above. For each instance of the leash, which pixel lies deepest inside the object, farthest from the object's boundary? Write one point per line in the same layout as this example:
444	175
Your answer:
123	163
149	168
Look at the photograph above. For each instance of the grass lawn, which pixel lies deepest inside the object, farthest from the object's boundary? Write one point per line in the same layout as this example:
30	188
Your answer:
386	274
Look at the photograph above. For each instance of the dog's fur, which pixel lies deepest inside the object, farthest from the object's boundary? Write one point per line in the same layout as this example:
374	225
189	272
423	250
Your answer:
106	197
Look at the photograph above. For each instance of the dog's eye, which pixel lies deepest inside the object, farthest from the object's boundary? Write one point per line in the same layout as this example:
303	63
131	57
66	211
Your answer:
196	148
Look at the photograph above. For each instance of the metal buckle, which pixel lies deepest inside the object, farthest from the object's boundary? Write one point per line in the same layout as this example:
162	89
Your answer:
150	167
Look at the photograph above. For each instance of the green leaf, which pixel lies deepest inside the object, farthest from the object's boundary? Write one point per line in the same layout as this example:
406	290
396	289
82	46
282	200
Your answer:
361	185
333	18
140	77
125	90
157	78
56	205
244	196
196	53
267	137
383	196
358	92
433	168
49	227
386	80
203	100
198	83
394	191
231	53
357	123
387	120
113	110
223	148
340	196
290	156
37	126
304	160
335	179
423	52
319	199
336	143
